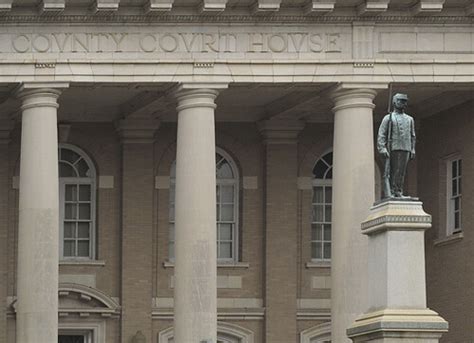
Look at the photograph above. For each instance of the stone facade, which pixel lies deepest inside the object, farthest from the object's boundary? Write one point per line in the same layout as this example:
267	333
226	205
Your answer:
292	82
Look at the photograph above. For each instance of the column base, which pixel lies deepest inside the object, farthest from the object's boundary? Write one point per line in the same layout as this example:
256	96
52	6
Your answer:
398	325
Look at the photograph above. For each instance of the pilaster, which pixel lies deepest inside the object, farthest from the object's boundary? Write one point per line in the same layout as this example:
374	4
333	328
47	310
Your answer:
137	137
281	172
353	194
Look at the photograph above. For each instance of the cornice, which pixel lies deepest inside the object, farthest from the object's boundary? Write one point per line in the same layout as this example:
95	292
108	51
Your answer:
226	18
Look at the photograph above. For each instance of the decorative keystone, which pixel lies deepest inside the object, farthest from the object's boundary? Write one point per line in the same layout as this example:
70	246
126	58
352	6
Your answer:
106	5
266	6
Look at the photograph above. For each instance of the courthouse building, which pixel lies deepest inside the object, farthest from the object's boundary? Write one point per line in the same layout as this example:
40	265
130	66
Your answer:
115	116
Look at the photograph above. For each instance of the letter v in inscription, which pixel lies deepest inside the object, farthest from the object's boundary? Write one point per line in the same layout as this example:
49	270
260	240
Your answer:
297	39
188	43
61	43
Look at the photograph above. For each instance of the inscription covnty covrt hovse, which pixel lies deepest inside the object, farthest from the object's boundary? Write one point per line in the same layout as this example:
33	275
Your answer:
173	42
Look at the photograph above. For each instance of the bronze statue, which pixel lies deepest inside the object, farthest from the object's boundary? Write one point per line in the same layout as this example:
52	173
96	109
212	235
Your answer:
396	143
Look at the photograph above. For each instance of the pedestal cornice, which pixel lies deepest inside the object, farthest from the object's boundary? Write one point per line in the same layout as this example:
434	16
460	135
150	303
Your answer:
396	215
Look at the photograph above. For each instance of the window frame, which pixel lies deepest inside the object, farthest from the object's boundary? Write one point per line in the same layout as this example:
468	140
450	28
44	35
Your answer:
325	182
450	198
235	181
92	181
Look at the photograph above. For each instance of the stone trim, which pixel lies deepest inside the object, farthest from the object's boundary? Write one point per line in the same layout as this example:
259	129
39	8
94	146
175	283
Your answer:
190	18
389	219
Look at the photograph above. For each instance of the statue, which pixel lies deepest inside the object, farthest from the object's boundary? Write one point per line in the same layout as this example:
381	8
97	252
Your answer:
396	143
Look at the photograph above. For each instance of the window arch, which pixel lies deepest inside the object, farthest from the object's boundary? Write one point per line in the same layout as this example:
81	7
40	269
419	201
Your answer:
321	205
227	207
77	202
318	334
226	333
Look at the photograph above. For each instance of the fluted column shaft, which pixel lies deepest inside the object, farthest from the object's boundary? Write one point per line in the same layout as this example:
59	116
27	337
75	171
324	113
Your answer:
353	195
38	238
195	289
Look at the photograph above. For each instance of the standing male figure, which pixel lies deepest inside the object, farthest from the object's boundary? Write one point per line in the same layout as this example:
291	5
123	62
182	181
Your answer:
396	143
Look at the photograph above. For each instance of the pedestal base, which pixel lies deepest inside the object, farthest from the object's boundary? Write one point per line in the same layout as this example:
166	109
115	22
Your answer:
398	326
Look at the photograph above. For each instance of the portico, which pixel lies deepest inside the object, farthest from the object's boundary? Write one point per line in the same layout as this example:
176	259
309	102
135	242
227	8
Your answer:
143	90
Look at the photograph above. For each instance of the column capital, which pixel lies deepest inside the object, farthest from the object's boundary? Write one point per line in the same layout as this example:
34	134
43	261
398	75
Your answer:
192	95
6	126
355	95
280	131
137	131
40	94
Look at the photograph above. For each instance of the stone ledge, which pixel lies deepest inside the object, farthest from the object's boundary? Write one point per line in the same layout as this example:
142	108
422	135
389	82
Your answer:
95	263
455	237
231	265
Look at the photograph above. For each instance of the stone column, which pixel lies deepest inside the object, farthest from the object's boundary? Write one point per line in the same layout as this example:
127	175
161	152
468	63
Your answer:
38	236
138	137
353	194
195	287
396	310
5	128
281	172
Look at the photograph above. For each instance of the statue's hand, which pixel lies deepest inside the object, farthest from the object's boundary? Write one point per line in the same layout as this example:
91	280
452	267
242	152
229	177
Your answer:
385	153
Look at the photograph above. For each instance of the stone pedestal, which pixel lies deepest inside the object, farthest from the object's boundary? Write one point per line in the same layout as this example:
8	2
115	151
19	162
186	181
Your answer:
397	286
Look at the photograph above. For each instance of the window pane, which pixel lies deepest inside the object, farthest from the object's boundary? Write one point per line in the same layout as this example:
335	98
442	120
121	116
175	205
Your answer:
318	213
328	194
225	232
457	220
69	229
227	194
83	248
459	186
71	193
327	213
320	169
224	171
70	211
83	168
316	251
316	232
455	187
327	232
227	213
317	194
171	232
459	167
328	158
84	192
329	174
327	250
68	155
84	211
69	249
171	250
225	250
66	170
456	204
83	230
454	170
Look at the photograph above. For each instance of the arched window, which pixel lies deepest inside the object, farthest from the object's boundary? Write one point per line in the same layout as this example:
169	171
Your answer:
321	205
318	334
77	188
227	207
